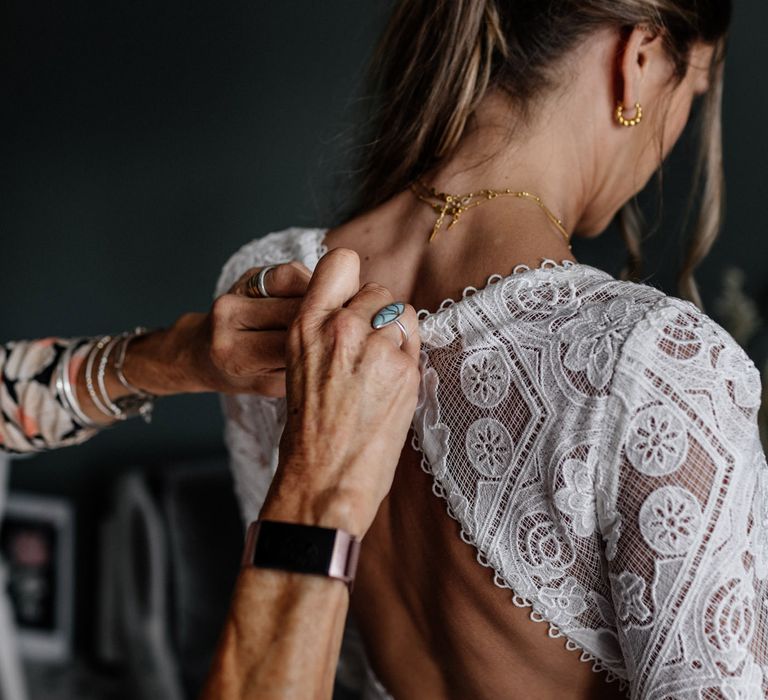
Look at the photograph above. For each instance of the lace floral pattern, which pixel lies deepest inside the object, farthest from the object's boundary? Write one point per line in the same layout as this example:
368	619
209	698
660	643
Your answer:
565	602
597	443
629	593
735	368
594	336
730	621
577	497
485	378
670	519
489	447
759	533
658	441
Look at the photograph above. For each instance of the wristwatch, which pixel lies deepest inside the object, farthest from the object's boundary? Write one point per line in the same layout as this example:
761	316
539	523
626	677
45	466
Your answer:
305	549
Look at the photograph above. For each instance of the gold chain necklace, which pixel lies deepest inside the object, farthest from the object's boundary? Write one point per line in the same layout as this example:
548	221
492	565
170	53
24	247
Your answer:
454	205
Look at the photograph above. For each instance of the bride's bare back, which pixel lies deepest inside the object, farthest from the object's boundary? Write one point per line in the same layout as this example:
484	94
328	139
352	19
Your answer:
434	623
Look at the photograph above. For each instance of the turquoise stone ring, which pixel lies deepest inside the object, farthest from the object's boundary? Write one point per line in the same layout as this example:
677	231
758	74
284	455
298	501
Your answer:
389	314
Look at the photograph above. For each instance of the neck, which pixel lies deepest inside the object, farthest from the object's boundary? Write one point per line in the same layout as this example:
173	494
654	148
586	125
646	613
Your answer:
490	239
542	161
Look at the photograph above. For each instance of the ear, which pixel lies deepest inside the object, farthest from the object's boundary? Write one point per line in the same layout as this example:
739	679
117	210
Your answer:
642	67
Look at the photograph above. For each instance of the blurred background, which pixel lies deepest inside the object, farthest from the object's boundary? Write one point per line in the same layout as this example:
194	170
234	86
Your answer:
142	144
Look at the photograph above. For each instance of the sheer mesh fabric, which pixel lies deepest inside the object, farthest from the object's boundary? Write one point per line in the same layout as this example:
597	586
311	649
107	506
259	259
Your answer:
597	442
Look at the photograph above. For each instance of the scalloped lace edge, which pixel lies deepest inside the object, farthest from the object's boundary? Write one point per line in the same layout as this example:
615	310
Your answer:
553	631
545	264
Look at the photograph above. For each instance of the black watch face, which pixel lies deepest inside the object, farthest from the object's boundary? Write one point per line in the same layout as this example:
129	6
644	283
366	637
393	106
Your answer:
291	547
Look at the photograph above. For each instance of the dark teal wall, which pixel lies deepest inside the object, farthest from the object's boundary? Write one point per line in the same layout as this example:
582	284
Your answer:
144	141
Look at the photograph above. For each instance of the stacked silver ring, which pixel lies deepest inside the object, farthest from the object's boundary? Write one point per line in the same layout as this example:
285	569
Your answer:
256	285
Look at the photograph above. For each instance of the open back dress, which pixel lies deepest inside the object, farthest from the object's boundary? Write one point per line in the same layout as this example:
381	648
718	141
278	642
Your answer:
597	442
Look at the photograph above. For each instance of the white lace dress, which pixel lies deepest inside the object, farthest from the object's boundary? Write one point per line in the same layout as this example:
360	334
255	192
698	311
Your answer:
597	442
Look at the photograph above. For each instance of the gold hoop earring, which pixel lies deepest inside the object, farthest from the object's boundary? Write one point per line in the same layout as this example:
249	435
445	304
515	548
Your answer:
629	122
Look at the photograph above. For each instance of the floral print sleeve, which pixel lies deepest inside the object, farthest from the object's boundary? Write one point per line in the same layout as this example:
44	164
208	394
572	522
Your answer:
32	415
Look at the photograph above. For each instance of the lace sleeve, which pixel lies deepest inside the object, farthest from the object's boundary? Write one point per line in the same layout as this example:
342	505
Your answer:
32	417
685	520
254	423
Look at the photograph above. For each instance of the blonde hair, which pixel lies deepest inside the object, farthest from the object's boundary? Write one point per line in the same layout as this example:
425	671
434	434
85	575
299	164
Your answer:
437	60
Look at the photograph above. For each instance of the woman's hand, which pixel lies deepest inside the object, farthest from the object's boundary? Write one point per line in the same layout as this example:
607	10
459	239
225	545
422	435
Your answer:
237	347
352	392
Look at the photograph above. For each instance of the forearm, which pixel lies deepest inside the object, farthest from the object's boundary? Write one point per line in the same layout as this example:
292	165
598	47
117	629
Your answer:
36	413
281	639
173	360
161	363
283	633
351	393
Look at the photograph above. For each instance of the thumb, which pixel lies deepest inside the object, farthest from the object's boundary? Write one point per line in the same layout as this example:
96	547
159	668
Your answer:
335	281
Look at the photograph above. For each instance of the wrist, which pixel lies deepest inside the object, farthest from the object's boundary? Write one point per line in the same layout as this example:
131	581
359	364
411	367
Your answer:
160	362
146	363
298	500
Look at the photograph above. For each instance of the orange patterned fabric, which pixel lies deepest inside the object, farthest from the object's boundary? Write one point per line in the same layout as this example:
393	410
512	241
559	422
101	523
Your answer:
32	415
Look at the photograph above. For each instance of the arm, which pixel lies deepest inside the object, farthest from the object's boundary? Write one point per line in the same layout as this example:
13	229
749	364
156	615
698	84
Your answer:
283	633
686	552
237	347
351	396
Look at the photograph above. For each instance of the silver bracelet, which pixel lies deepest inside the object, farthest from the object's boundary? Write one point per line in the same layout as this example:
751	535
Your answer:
120	362
95	350
101	384
66	392
138	403
141	402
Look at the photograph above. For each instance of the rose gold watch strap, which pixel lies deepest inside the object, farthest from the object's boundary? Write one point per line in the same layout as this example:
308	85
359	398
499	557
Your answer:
343	557
346	552
251	534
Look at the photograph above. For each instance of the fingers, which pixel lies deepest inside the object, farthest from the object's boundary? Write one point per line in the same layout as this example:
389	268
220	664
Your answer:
405	337
232	312
335	281
286	280
412	346
370	298
373	299
245	355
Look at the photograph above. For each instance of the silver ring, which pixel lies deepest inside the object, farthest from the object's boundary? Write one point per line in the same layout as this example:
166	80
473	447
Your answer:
401	326
388	315
259	281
